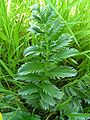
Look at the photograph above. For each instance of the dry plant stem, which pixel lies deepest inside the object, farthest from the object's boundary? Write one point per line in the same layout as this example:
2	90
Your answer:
50	115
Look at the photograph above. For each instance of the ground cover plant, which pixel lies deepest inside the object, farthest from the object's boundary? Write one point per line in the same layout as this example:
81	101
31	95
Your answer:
44	60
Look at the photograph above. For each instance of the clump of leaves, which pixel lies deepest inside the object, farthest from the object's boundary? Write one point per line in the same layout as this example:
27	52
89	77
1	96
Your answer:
20	115
76	102
46	56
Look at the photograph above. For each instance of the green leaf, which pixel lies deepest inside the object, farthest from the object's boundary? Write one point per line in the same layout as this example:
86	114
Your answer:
28	78
63	41
19	115
52	90
62	71
76	92
47	99
63	54
28	89
37	30
32	96
32	99
56	28
31	67
32	50
37	17
43	105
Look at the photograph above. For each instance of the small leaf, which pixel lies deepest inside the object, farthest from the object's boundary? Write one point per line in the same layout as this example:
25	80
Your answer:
52	90
32	50
63	41
47	99
31	67
62	71
28	78
37	17
36	29
32	99
43	105
28	89
63	54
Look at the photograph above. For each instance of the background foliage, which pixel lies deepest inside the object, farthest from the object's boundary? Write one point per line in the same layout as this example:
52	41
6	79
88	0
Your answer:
16	35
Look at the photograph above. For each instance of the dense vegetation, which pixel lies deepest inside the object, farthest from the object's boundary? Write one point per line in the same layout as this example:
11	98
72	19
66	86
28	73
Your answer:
45	59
